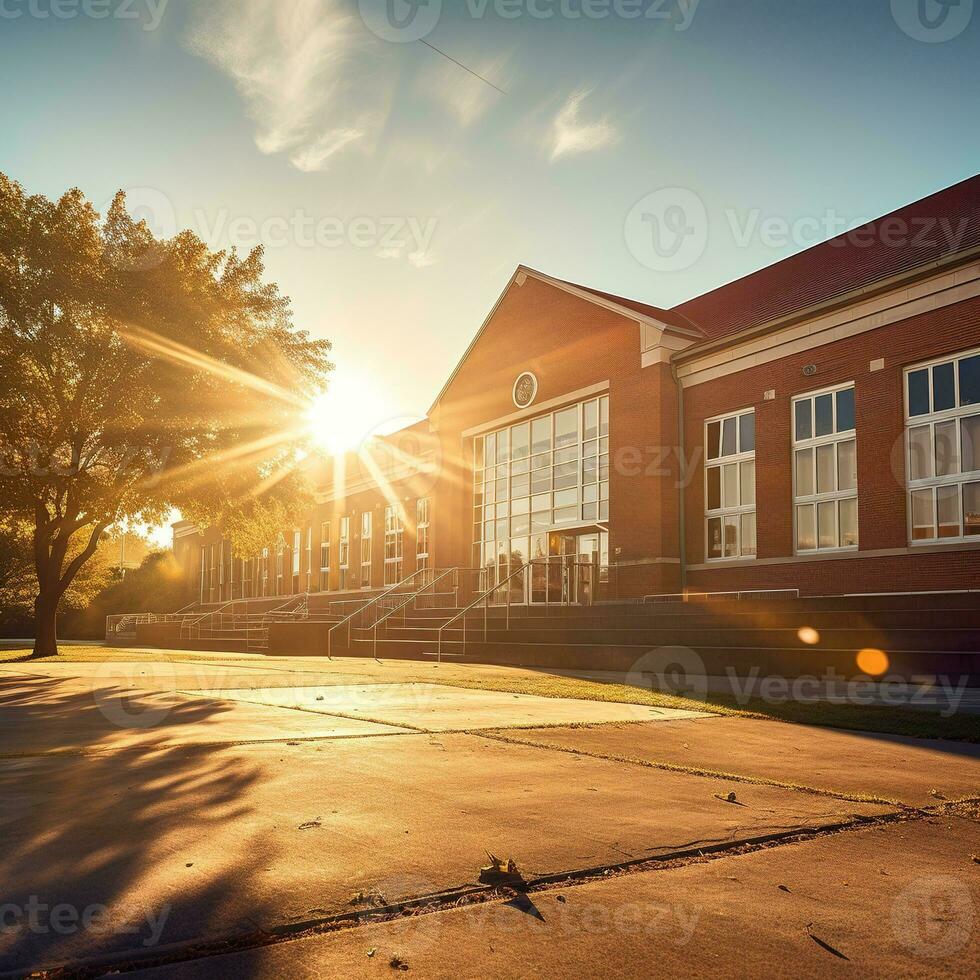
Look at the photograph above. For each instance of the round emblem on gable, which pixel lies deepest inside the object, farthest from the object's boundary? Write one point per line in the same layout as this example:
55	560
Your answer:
525	389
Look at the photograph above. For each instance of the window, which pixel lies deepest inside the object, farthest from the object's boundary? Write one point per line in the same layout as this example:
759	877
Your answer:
280	563
212	572
549	473
942	405
422	533
394	532
366	523
309	557
729	448
825	470
325	556
343	555
264	571
297	543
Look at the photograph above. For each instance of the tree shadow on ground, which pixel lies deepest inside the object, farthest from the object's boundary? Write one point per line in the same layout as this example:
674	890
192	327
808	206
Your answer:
105	849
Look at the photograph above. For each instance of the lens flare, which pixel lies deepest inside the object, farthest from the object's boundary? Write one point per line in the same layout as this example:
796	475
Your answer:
872	661
808	635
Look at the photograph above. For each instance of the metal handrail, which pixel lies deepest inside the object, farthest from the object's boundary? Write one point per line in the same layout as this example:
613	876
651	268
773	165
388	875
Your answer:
255	625
449	571
211	612
347	620
691	595
114	621
485	597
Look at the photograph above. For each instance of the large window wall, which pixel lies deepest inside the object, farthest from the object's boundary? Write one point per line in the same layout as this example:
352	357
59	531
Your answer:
549	473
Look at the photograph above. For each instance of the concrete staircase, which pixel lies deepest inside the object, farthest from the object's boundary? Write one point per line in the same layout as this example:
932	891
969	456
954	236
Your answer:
921	634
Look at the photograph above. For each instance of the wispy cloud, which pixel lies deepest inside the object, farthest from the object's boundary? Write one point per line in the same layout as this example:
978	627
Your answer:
466	96
571	134
299	66
315	155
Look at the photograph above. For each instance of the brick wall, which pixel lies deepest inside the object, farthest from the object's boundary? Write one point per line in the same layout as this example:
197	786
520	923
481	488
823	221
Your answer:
572	344
880	426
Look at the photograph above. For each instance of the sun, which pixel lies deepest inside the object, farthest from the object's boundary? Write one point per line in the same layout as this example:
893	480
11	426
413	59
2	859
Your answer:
347	414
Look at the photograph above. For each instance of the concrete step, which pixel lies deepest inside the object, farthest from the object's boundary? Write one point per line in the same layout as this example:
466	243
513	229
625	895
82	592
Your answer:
961	640
958	668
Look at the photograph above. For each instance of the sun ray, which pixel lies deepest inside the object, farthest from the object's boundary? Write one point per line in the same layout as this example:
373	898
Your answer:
181	354
206	467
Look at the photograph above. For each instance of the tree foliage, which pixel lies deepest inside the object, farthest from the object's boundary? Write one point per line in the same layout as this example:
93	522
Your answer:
139	375
158	584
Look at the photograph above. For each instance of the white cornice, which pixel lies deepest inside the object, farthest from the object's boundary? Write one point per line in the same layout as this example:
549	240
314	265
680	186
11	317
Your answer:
862	315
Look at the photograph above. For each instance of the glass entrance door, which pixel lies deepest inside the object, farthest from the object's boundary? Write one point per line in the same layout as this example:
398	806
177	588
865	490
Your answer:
563	568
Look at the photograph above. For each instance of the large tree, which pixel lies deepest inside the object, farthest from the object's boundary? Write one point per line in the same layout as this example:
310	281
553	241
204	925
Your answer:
138	375
18	576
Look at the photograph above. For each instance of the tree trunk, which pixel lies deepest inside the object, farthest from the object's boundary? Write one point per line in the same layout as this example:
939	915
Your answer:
45	626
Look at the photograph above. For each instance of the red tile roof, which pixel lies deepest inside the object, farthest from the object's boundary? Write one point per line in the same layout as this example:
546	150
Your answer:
917	234
670	317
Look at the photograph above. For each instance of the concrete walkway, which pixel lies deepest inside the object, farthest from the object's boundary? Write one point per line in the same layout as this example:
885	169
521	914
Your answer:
151	811
897	901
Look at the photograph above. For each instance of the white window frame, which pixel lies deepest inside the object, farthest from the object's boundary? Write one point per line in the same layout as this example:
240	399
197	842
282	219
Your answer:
324	554
296	553
394	544
423	507
835	496
933	418
367	534
280	564
343	553
264	572
741	510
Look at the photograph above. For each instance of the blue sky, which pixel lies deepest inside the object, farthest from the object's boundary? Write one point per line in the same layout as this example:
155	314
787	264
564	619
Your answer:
396	192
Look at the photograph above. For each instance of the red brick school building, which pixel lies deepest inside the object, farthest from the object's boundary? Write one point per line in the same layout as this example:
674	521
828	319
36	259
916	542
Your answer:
812	426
